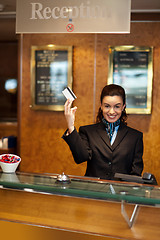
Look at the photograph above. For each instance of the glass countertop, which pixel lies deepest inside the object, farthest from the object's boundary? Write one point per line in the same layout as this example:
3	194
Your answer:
82	187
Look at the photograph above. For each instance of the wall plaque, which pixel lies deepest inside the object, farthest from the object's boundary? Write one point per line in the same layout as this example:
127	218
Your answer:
51	72
131	67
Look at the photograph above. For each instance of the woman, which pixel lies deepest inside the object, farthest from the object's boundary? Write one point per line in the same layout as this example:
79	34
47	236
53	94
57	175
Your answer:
109	146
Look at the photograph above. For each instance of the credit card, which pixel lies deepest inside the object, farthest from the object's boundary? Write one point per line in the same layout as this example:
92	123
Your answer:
68	93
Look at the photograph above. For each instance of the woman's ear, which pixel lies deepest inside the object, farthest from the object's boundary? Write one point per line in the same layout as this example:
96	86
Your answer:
123	107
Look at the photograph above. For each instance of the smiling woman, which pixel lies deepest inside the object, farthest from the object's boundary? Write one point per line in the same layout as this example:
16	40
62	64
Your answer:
112	108
109	146
113	104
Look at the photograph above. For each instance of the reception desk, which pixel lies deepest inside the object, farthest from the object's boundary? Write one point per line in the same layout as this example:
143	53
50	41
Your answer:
81	207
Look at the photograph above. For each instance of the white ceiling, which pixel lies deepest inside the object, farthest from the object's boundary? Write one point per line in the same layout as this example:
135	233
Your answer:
7	22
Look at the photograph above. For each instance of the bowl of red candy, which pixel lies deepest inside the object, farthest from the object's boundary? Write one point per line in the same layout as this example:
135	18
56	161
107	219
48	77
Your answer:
9	162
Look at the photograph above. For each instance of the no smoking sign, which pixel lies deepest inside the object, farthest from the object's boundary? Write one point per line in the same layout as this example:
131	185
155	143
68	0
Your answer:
70	27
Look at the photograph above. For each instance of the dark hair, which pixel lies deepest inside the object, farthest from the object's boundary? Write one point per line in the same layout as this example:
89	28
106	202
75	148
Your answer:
113	90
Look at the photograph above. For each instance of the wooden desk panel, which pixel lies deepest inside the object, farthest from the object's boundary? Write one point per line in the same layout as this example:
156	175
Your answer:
77	214
29	232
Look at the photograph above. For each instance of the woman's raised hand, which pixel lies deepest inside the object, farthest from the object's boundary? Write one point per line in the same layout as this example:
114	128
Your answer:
69	115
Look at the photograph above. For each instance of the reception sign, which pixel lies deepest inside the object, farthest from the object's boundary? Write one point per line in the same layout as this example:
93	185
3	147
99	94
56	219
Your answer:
73	16
132	68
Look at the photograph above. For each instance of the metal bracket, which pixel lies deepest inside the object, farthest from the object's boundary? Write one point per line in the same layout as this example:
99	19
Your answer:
130	221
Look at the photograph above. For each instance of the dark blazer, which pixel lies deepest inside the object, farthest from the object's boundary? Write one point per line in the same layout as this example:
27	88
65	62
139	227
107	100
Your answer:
92	144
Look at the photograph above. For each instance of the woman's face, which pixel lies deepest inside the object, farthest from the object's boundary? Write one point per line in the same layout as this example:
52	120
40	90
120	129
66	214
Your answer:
112	107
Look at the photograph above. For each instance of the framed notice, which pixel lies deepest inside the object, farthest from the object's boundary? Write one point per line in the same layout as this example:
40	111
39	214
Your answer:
51	73
132	68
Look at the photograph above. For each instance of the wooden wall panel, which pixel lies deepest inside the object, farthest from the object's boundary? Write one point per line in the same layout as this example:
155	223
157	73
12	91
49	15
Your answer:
41	146
142	34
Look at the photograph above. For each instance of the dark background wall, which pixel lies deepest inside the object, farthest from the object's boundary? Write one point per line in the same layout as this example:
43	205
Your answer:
41	146
8	69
